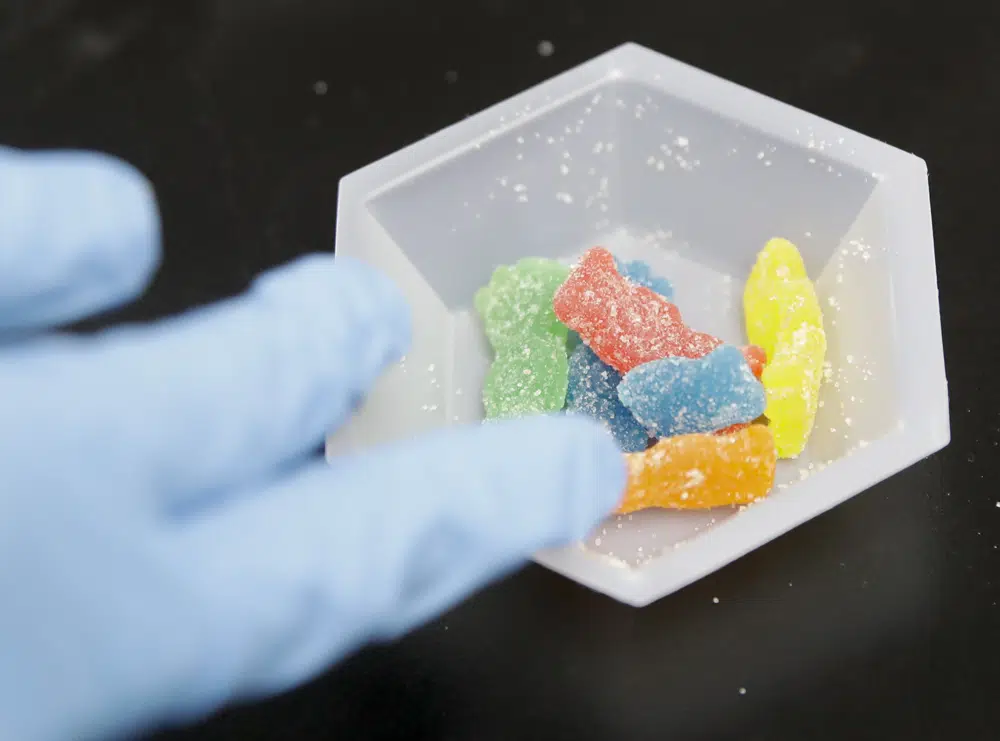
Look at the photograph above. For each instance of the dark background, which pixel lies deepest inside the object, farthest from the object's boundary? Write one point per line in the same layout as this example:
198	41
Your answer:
877	620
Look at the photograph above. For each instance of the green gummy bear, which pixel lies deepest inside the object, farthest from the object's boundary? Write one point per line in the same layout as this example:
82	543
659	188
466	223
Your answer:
530	372
517	302
529	379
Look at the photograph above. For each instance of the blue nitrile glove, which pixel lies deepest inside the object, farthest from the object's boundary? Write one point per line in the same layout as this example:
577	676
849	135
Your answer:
168	542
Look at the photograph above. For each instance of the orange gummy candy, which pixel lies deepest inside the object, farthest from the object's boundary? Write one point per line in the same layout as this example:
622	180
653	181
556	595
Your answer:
701	471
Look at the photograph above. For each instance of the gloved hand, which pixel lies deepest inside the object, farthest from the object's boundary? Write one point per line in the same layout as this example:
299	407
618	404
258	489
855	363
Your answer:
167	541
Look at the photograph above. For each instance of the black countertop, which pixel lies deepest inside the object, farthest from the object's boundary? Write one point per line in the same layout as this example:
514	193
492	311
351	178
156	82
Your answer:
877	620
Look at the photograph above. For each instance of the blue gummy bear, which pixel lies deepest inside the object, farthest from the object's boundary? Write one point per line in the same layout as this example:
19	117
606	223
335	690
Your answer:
641	274
679	396
593	390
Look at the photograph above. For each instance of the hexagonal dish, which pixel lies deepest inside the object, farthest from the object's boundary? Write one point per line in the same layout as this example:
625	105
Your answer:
658	160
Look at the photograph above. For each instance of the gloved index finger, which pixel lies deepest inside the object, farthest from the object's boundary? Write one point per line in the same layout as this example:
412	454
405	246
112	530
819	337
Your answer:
79	233
191	407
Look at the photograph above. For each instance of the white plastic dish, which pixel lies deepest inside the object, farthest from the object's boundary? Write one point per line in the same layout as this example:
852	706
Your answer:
658	160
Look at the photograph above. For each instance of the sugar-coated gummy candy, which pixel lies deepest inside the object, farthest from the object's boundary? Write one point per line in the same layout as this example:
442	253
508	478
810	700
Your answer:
641	274
525	380
518	301
680	396
777	263
761	420
783	316
701	471
623	323
593	383
593	391
792	380
756	358
529	372
732	429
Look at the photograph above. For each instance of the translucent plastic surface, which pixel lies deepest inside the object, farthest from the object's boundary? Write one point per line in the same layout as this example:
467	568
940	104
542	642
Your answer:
659	161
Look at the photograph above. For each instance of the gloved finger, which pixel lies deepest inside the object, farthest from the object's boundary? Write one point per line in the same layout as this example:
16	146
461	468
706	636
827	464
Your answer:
192	406
375	544
79	232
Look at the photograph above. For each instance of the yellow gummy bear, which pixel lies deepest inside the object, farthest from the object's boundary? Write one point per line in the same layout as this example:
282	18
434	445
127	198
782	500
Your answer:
783	316
778	263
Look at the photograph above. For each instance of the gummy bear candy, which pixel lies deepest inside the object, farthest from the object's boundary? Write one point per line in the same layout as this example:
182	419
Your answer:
518	301
623	323
701	471
641	274
530	379
680	396
756	358
732	429
593	390
529	373
777	263
593	385
792	382
783	316
627	324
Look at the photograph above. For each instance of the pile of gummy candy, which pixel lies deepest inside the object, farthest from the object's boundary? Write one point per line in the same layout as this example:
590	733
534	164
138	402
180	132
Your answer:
702	423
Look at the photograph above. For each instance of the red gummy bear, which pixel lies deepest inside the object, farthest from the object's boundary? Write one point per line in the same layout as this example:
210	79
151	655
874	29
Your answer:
732	429
627	325
756	358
